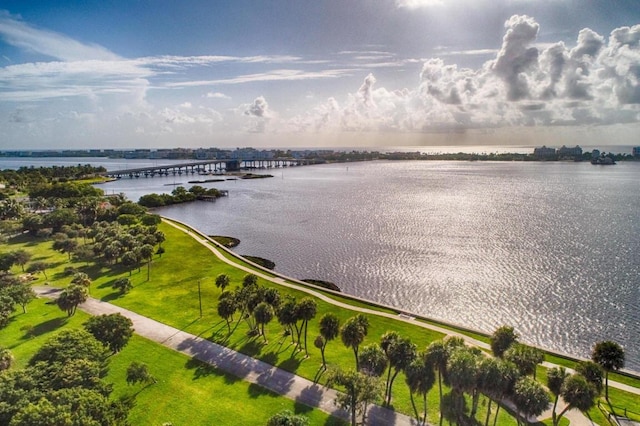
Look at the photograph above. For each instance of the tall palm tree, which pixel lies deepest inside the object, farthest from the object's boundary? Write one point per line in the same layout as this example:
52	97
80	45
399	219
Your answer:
306	310
610	356
386	341
530	398
578	393
420	378
329	330
401	353
437	356
353	333
373	361
555	379
263	314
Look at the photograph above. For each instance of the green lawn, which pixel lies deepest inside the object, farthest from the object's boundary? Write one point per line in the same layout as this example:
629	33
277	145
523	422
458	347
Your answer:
171	296
187	392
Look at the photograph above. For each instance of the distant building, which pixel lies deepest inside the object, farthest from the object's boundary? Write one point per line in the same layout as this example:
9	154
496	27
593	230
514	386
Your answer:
636	151
544	152
565	152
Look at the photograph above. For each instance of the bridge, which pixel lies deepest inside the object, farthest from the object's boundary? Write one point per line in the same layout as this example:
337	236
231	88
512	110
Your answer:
203	167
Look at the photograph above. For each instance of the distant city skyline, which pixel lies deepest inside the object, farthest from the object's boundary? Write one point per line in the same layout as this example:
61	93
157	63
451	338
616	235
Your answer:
362	73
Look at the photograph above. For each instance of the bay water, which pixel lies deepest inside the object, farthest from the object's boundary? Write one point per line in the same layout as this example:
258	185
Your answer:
551	248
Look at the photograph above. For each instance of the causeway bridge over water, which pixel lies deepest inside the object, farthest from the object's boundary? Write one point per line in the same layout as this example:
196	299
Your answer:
204	167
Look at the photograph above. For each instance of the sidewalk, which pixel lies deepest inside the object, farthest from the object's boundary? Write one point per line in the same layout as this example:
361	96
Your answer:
243	366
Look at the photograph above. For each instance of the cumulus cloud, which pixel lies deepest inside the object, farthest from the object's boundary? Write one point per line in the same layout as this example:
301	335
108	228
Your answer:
525	84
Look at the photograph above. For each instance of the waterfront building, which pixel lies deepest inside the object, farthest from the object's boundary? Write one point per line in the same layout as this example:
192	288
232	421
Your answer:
636	151
566	152
544	152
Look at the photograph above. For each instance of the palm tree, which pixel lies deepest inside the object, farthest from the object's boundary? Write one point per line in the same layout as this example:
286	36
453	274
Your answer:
525	357
306	310
508	376
353	333
386	341
146	252
401	353
222	281
530	398
71	297
610	356
592	372
263	314
226	308
502	339
437	356
329	330
462	374
373	361
287	316
420	378
555	379
578	393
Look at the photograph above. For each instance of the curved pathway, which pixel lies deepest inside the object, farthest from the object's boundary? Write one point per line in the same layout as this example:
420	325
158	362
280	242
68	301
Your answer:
243	366
575	417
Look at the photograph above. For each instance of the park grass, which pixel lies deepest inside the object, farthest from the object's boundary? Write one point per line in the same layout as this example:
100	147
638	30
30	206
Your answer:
187	391
171	296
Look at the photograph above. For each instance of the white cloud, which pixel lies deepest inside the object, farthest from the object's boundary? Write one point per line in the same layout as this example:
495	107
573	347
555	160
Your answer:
276	75
217	95
19	34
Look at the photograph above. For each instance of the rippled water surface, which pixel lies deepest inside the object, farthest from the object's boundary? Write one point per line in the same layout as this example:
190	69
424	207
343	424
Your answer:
550	248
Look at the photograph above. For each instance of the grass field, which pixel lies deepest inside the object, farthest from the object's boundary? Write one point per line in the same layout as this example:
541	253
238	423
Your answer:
171	296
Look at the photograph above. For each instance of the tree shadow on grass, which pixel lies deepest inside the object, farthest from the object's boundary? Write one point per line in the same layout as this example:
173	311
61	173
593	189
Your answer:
290	364
112	296
43	327
252	347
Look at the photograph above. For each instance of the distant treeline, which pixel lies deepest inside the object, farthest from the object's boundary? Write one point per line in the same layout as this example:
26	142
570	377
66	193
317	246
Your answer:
25	177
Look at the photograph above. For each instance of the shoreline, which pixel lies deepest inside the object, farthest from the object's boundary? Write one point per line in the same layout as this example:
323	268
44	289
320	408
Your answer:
403	315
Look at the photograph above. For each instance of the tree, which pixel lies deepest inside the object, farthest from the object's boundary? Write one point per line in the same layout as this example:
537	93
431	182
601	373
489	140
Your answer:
113	330
249	280
71	297
530	398
592	372
7	260
306	310
222	281
462	375
21	294
226	308
123	285
288	418
360	390
438	356
287	316
263	313
68	345
138	372
555	379
6	359
21	257
146	253
578	393
130	260
37	267
502	339
329	330
82	279
353	333
420	378
65	245
385	343
610	356
6	308
526	358
373	361
401	353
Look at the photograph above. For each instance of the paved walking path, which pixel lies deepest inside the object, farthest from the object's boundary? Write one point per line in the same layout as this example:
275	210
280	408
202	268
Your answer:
575	417
243	366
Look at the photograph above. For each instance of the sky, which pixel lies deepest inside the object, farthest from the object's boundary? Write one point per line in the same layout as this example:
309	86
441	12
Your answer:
330	73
